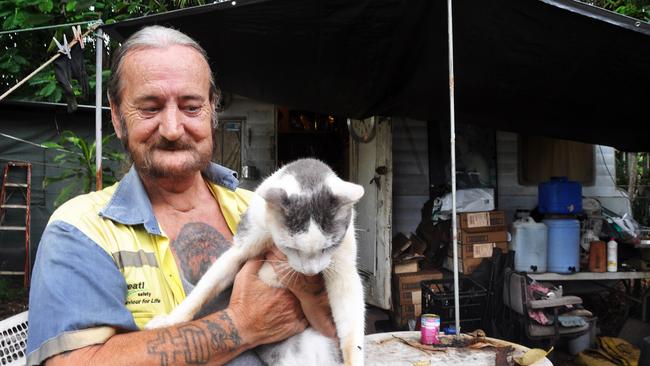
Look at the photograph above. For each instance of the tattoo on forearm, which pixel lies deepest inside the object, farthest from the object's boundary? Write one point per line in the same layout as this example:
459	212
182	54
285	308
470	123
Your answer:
223	339
197	246
188	343
192	344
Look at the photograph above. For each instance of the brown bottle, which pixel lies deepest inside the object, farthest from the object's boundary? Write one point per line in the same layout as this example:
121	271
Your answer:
598	256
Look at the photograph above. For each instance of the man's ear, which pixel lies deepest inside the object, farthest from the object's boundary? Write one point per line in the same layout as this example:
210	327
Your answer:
115	118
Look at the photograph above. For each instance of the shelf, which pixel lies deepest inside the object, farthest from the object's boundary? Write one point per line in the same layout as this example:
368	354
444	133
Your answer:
589	276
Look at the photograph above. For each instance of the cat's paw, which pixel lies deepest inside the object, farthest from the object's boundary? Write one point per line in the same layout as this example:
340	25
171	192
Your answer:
162	321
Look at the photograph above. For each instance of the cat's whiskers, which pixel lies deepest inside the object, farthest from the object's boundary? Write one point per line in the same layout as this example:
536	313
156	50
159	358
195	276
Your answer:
294	277
287	273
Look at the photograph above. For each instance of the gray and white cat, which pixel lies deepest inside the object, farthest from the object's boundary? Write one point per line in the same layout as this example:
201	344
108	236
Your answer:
307	212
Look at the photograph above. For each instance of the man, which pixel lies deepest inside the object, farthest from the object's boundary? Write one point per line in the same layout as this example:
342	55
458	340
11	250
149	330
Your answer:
110	261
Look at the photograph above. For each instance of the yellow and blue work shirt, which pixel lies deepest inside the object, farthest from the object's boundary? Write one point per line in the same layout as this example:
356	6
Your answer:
104	264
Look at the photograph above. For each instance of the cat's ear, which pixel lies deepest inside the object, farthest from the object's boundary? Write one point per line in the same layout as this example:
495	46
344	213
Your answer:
348	193
275	196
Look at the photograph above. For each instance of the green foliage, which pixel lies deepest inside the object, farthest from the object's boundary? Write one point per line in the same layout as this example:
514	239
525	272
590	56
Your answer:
639	9
77	159
641	203
22	53
10	291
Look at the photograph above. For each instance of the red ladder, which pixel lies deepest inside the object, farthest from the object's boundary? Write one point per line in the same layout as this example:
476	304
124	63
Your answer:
8	188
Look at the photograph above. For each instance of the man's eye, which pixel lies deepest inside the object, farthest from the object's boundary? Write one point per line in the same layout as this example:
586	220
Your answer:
193	109
150	109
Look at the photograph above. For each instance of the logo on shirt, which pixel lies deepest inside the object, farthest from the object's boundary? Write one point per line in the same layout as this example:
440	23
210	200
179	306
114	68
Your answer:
137	293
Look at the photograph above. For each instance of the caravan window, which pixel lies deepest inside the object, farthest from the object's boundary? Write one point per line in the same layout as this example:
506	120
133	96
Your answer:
541	158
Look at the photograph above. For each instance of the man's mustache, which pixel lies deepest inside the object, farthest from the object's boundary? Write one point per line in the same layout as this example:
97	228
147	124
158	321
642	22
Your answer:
165	144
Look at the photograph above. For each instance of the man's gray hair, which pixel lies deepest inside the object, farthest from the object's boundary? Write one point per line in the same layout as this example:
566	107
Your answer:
154	36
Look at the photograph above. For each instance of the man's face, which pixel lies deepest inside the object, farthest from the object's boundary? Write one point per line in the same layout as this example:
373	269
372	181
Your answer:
166	111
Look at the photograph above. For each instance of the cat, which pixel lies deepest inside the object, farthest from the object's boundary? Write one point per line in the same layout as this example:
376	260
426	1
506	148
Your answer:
307	212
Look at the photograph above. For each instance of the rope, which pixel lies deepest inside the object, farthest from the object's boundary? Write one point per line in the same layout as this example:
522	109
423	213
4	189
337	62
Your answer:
40	145
47	27
21	140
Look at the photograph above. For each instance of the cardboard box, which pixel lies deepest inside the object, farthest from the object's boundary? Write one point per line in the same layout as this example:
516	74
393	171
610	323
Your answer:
481	250
406	286
402	314
482	221
465	265
465	237
410	266
410	297
411	281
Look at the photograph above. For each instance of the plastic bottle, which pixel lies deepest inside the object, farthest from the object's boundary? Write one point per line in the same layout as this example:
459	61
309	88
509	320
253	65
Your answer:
612	256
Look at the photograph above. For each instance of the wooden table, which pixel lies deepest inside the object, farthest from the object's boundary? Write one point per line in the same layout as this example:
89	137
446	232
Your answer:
384	349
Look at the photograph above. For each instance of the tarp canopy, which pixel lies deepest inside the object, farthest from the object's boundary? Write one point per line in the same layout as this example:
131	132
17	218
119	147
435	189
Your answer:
556	67
26	125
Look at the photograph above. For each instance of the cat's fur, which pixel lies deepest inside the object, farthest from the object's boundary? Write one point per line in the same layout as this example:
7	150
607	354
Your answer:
307	212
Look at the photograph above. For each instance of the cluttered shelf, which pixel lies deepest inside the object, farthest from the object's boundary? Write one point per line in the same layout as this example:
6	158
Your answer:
589	276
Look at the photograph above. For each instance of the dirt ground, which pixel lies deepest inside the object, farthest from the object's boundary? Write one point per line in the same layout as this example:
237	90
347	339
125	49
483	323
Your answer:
13	297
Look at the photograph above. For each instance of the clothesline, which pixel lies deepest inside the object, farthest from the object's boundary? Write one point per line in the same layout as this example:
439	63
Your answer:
47	27
24	80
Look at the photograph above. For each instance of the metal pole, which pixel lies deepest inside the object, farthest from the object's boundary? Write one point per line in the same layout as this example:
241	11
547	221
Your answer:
99	50
452	135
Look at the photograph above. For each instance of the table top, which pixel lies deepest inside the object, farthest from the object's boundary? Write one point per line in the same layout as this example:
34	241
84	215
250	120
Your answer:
384	349
588	276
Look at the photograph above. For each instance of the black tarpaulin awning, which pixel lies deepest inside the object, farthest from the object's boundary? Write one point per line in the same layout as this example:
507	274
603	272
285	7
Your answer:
557	67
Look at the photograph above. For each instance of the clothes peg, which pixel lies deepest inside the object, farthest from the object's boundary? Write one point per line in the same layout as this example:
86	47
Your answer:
76	30
65	48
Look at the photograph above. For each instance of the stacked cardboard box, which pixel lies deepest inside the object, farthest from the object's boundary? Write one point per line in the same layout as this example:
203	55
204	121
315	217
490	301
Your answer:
479	233
407	253
407	295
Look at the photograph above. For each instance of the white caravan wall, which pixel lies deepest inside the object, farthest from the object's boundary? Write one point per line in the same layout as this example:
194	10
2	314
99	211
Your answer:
512	195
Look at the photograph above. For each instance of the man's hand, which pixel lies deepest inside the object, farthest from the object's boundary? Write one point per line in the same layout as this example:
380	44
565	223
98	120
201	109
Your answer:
263	314
310	290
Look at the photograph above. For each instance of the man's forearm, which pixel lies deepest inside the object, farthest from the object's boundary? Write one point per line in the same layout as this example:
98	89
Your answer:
214	339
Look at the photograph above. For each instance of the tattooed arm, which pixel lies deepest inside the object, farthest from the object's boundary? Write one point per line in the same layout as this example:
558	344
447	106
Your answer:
214	339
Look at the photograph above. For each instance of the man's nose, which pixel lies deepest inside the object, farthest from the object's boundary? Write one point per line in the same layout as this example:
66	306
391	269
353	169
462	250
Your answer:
171	126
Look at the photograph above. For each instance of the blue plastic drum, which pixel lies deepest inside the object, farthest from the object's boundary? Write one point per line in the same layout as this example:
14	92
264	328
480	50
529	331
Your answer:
563	245
560	196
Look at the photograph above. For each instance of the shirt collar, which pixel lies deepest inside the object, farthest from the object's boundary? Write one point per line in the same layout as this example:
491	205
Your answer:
130	204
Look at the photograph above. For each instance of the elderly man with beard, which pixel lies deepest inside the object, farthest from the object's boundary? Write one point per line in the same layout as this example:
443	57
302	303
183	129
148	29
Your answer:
110	261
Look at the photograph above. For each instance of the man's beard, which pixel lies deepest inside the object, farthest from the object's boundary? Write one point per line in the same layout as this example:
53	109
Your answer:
145	164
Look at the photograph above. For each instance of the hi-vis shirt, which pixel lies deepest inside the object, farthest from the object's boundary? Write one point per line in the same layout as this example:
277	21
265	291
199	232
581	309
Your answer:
104	265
